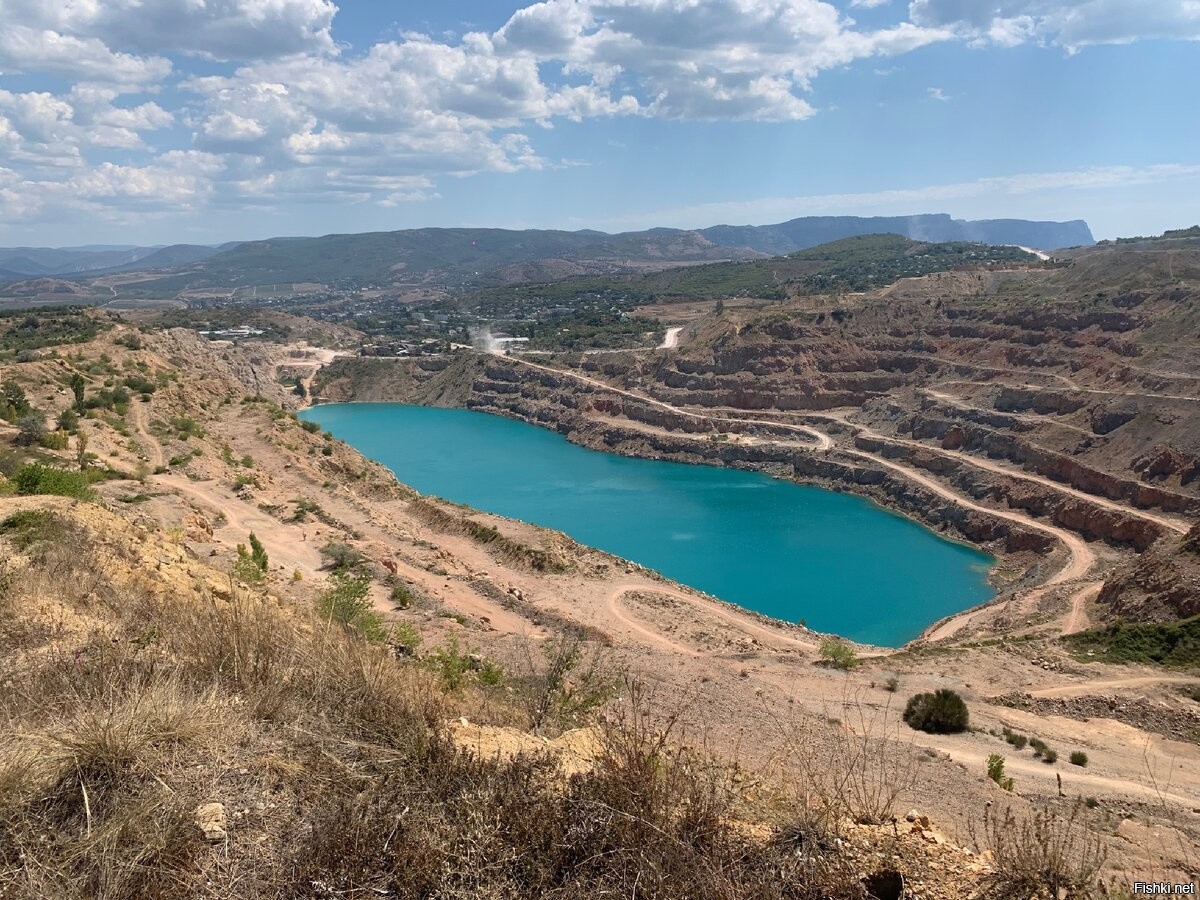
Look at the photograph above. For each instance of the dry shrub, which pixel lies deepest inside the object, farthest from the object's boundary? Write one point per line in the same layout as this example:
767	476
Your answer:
561	680
652	819
863	770
1045	852
86	808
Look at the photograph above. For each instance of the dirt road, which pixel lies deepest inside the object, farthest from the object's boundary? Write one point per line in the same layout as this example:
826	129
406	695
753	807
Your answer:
671	340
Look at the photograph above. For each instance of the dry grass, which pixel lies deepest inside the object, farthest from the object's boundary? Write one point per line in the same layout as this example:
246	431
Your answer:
1045	853
331	762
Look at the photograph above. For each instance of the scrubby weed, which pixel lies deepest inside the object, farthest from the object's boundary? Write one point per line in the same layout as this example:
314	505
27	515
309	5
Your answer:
1047	852
995	772
563	679
865	767
347	602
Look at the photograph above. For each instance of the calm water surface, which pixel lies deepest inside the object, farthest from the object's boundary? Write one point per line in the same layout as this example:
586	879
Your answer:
838	562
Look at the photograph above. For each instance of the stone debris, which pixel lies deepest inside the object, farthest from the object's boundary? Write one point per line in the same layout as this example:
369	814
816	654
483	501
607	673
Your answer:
210	819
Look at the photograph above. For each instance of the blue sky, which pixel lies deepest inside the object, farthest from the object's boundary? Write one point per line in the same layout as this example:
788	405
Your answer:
160	121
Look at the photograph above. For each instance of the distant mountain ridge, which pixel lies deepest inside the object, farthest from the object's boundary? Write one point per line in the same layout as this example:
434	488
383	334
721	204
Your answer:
810	231
462	257
455	257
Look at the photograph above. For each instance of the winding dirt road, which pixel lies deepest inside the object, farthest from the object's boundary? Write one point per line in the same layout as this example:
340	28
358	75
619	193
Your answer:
1081	557
823	441
742	621
1177	525
1077	620
1091	687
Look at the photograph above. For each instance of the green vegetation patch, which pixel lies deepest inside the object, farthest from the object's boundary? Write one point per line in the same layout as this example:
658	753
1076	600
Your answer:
47	327
1173	644
35	478
29	527
875	260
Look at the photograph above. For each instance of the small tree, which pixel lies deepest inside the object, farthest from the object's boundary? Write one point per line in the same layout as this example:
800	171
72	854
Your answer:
13	402
245	568
81	454
77	387
995	771
942	712
258	553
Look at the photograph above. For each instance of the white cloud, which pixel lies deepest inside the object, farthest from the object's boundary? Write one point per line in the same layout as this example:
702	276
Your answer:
1067	23
716	59
171	183
422	107
297	116
25	49
218	29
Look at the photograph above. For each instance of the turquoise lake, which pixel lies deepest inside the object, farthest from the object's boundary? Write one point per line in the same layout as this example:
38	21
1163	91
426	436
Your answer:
838	562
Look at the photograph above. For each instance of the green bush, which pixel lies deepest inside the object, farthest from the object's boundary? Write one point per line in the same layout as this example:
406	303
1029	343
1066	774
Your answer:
1049	757
1079	758
35	478
1175	644
406	636
402	596
451	663
347	601
942	712
995	771
838	655
54	440
29	527
1018	741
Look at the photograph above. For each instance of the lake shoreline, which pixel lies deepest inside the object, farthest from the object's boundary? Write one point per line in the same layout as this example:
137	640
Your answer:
764	575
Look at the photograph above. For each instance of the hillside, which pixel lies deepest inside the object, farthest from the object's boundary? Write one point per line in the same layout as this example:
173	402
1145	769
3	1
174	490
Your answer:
850	264
386	694
456	258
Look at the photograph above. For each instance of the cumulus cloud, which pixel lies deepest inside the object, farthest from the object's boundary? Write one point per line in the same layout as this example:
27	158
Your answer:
282	110
716	59
25	49
1067	23
218	29
171	183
